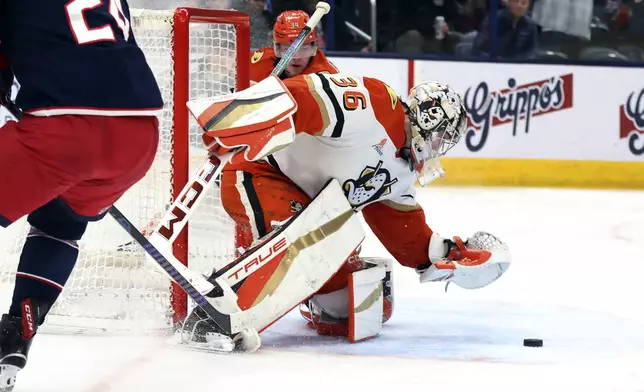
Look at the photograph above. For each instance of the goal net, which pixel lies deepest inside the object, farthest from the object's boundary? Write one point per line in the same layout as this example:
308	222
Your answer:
193	53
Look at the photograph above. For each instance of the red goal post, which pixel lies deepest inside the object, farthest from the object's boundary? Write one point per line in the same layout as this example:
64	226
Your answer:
181	55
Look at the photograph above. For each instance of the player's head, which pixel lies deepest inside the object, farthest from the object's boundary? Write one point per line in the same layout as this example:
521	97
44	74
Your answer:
287	27
436	122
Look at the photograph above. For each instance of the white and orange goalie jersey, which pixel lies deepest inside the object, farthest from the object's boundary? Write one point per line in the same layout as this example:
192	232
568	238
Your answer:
350	129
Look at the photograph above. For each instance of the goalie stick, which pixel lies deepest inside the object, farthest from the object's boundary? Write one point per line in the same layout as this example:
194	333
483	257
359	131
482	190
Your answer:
223	320
177	216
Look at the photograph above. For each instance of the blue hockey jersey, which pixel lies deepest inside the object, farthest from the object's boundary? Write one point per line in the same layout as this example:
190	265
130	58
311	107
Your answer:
76	57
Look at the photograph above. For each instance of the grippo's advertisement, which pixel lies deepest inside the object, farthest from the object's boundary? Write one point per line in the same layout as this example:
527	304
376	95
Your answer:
516	105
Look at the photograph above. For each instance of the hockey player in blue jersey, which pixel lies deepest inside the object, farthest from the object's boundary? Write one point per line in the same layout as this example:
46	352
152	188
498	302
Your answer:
88	133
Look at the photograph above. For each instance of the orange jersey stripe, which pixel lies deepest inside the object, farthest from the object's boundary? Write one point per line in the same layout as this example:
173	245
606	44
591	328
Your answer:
387	109
312	116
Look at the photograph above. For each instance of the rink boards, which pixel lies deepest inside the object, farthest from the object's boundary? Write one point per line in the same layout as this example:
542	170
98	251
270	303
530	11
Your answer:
534	124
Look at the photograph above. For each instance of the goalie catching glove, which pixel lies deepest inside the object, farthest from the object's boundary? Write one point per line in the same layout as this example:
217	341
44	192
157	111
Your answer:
470	264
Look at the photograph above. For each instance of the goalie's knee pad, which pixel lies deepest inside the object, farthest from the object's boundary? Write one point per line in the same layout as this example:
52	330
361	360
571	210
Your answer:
56	220
368	296
387	285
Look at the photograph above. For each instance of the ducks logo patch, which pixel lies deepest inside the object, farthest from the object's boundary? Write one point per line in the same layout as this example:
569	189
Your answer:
373	183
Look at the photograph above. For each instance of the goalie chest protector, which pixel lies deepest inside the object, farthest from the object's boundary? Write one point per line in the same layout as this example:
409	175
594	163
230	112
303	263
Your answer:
67	55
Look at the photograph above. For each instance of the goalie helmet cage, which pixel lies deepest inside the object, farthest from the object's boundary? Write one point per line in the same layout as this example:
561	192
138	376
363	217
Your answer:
194	53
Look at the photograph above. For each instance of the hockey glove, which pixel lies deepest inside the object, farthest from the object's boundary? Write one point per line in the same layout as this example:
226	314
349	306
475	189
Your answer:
472	264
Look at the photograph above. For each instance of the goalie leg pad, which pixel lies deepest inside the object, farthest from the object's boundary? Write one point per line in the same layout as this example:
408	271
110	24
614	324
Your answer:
294	262
365	303
358	310
387	285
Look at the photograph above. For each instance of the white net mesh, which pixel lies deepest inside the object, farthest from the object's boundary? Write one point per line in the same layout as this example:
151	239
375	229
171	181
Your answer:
113	286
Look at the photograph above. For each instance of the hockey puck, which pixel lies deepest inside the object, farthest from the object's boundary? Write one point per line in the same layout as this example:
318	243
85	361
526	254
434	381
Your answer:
533	342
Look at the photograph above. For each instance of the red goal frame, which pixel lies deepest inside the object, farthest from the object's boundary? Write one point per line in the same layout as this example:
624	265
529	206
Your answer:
180	132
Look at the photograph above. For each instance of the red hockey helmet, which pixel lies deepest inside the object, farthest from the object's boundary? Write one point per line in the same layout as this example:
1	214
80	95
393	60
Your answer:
288	25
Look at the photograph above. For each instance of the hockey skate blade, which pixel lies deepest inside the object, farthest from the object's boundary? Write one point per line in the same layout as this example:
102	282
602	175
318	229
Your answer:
219	343
247	341
213	342
8	377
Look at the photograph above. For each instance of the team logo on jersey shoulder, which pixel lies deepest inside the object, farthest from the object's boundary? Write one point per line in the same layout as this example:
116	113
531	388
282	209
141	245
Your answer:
393	96
256	56
371	185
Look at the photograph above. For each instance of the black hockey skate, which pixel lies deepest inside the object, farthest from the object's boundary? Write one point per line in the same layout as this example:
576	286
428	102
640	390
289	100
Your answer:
16	336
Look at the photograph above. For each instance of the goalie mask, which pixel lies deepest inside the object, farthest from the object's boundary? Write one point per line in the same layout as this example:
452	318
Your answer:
438	121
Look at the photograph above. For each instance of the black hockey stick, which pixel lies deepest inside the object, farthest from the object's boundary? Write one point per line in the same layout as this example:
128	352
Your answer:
222	320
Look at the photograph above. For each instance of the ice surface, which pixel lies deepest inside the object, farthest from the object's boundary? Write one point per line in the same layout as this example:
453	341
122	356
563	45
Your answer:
576	283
